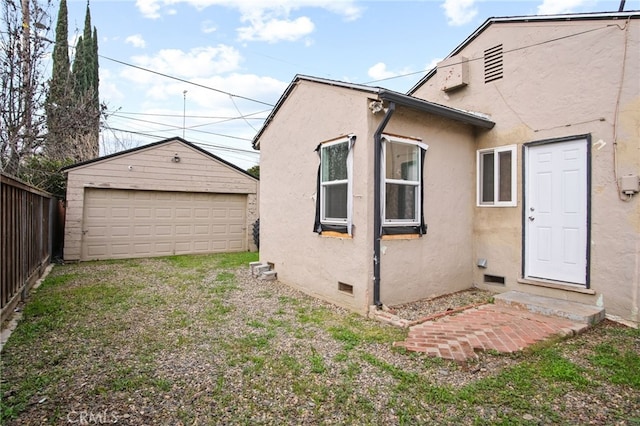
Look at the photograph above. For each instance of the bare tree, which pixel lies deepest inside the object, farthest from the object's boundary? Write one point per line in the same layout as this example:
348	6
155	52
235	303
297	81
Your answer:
24	27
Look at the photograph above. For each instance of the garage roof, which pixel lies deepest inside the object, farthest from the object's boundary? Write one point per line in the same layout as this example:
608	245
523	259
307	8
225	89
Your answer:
154	144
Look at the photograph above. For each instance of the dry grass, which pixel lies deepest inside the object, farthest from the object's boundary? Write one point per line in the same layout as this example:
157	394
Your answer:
196	340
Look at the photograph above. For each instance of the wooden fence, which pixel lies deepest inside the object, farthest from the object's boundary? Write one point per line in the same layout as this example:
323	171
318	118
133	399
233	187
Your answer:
26	219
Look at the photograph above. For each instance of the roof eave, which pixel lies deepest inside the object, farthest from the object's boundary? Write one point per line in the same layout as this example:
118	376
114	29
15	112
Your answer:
440	110
369	89
382	94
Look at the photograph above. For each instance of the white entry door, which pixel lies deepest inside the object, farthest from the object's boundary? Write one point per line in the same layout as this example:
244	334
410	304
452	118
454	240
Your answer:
555	213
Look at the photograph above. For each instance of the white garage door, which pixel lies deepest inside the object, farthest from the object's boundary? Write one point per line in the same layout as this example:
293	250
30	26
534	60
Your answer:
120	224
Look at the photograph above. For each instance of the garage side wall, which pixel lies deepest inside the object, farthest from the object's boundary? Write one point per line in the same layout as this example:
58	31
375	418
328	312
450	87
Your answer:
155	169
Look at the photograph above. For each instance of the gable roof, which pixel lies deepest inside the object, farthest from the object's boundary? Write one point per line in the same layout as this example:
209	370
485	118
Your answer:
635	14
155	144
385	95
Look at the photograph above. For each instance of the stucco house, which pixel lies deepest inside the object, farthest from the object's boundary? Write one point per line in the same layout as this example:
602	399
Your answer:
513	165
165	198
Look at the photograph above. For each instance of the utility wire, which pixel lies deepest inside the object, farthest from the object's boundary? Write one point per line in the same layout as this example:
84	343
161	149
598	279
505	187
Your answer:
242	115
506	51
248	116
184	81
222	147
172	128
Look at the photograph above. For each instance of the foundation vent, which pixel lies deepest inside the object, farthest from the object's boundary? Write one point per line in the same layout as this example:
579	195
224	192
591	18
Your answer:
493	279
493	64
345	288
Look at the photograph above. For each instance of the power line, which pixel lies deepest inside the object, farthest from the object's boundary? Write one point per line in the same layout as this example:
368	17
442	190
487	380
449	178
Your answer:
222	147
506	51
247	116
242	115
172	128
184	81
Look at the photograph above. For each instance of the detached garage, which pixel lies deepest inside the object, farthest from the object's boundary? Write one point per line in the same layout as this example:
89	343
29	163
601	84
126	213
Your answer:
166	198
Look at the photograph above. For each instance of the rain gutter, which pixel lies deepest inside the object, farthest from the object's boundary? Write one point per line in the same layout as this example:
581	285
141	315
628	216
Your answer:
377	207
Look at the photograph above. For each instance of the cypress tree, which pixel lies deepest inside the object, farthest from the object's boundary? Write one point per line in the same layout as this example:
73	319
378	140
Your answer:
61	65
82	72
95	78
85	83
73	106
58	104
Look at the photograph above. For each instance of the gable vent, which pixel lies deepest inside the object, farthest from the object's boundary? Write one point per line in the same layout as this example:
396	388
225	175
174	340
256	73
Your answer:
493	63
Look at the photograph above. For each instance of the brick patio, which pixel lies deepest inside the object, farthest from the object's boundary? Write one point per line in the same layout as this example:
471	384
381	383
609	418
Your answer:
496	327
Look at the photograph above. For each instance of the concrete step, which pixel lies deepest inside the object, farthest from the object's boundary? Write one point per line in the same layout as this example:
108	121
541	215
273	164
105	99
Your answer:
258	268
268	276
263	271
576	312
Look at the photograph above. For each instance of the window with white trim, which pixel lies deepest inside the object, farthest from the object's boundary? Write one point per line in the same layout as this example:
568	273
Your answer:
402	181
334	199
334	182
496	177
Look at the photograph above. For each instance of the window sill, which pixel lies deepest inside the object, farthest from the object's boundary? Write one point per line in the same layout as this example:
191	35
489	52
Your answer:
577	288
401	237
334	234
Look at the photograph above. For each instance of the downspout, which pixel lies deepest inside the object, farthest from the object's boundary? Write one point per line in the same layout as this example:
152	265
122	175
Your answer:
377	208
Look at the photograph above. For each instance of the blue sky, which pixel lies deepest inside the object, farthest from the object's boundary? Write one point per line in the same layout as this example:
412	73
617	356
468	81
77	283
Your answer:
254	48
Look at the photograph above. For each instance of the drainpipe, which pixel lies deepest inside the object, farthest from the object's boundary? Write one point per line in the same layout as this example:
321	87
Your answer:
377	208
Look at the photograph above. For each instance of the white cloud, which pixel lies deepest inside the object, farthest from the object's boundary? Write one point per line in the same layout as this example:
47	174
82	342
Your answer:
275	30
459	12
267	20
348	9
432	64
149	8
379	71
108	87
209	67
197	62
136	40
168	95
554	7
208	27
266	89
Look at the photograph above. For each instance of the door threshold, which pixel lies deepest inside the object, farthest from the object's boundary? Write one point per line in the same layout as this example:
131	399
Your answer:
539	282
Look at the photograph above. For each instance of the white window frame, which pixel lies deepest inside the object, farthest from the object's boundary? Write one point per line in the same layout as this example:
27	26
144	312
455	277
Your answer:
513	202
349	140
417	183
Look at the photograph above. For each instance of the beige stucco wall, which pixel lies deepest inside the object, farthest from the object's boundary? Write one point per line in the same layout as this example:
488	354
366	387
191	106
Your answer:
552	89
314	113
153	169
411	269
441	261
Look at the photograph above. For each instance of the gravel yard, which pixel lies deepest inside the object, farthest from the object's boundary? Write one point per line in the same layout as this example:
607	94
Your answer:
436	305
195	340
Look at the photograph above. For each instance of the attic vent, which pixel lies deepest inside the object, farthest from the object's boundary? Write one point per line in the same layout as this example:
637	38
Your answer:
493	64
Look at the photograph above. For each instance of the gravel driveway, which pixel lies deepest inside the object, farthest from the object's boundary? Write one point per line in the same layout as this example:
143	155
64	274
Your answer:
195	340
